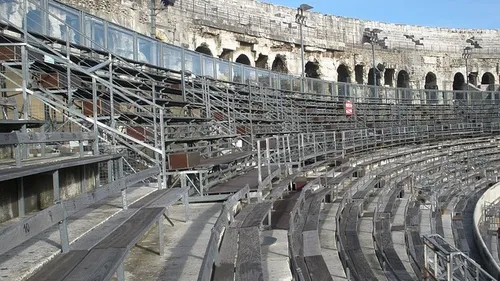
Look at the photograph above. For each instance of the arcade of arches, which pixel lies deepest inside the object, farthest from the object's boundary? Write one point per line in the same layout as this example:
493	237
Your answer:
312	69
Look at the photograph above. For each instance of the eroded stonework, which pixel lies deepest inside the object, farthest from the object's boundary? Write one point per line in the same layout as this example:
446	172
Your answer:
258	31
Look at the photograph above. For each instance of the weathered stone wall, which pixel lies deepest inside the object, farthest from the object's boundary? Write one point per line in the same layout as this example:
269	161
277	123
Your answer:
263	31
38	191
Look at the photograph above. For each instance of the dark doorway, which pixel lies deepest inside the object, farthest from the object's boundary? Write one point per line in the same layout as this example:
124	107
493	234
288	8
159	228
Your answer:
343	74
459	85
204	49
261	62
358	73
312	69
377	76
488	81
431	85
279	64
403	85
403	79
243	59
389	77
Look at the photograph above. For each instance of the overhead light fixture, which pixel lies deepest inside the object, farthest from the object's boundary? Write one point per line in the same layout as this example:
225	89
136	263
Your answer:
305	7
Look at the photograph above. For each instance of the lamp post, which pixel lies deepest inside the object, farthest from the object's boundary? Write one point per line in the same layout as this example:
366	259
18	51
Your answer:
371	36
300	20
466	55
153	9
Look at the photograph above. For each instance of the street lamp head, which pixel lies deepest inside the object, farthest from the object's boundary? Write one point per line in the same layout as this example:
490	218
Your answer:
305	7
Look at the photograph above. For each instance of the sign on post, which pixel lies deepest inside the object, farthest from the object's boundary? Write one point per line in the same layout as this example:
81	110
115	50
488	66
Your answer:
348	108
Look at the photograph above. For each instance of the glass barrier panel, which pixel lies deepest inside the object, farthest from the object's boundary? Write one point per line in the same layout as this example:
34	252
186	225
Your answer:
274	80
146	50
263	78
35	16
192	62
237	73
62	23
296	84
94	29
172	57
120	42
250	74
285	83
208	66
222	70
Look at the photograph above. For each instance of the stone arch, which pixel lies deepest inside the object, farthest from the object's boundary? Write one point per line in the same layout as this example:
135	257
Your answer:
358	73
403	80
312	69
431	85
459	85
488	81
243	59
403	84
343	74
279	64
204	49
431	81
458	82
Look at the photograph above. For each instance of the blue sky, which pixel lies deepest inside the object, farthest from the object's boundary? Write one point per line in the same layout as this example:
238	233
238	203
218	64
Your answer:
483	14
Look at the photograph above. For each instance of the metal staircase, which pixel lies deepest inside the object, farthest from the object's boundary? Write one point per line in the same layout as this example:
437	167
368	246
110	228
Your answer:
80	84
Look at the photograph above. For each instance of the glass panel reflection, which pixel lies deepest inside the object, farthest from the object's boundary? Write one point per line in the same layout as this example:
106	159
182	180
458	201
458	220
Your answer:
222	71
192	63
94	29
146	50
120	42
172	57
208	67
63	24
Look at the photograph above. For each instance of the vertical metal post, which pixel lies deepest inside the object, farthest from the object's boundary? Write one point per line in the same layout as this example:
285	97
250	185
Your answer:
259	161
302	72
25	74
163	177
94	109
63	225
122	183
112	102
68	70
152	6
374	67
20	197
268	156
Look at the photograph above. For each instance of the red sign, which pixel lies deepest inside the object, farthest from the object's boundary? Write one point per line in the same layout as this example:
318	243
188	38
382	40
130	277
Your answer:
348	108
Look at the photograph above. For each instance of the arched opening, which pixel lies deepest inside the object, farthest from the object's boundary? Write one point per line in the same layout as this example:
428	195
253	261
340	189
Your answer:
343	74
358	73
312	69
431	85
403	84
371	77
279	64
204	49
261	61
403	79
344	77
431	81
459	85
389	77
488	81
243	59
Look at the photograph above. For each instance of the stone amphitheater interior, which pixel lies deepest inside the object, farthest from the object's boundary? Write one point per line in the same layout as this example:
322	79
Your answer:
240	140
